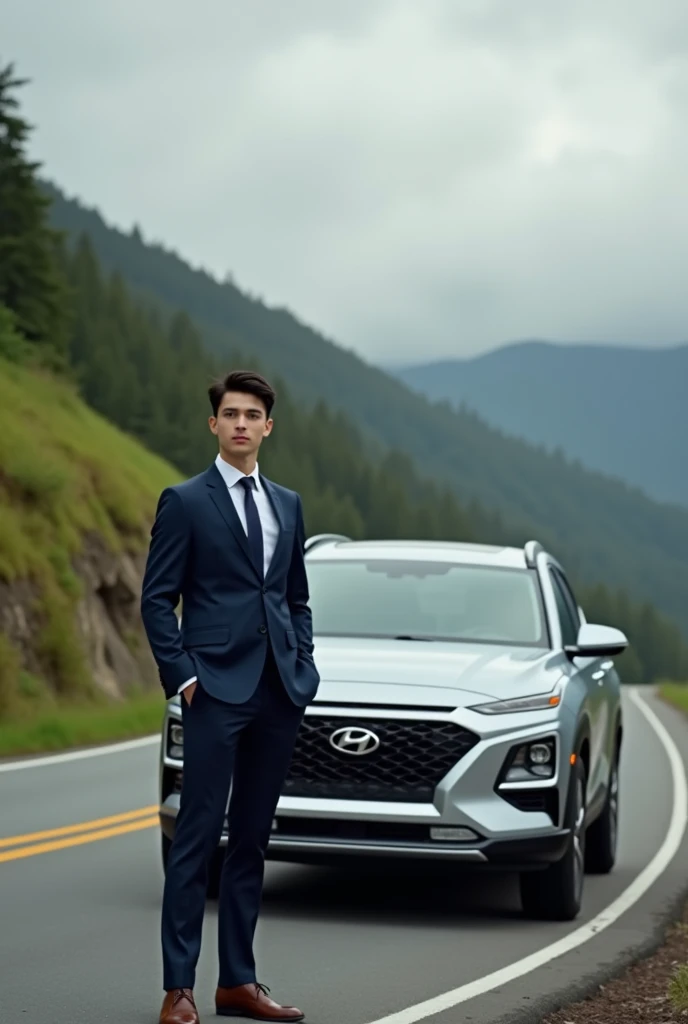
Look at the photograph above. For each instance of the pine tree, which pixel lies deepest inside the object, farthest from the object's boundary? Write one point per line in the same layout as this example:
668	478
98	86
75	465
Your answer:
31	284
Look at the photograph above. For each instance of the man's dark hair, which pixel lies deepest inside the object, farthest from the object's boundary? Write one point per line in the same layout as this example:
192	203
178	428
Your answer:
246	381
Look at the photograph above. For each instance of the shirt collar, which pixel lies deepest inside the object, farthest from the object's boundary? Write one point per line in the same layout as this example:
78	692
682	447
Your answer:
232	476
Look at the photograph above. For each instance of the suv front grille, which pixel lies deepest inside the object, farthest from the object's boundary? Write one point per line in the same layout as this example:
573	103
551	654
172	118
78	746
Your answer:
412	758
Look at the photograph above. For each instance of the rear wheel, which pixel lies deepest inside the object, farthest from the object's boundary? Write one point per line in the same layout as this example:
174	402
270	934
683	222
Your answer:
602	837
556	894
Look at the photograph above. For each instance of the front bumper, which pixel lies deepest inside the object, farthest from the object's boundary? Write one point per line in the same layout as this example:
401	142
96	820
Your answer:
473	817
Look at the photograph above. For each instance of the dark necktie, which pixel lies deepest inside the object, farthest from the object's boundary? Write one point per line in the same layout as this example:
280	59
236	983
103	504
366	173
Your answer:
253	527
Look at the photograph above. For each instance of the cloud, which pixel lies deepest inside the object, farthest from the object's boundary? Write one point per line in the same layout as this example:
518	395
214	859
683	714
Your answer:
416	179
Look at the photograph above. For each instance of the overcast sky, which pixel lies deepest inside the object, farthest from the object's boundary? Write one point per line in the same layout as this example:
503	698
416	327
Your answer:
417	179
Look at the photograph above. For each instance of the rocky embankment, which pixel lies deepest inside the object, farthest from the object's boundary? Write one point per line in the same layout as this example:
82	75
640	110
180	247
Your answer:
77	499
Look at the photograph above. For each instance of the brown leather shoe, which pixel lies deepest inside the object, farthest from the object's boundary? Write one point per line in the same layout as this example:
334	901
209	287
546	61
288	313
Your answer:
179	1007
252	1001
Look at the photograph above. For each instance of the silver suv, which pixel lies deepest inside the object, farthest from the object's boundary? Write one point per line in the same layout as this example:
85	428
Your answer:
467	713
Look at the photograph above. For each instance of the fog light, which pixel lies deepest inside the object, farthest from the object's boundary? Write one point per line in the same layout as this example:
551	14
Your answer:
540	753
452	834
532	761
175	741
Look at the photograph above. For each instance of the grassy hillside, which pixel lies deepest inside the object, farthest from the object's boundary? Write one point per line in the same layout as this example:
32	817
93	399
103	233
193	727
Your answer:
74	490
600	528
620	410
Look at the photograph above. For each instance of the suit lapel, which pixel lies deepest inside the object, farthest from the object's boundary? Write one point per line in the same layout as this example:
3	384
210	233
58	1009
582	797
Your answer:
217	489
278	509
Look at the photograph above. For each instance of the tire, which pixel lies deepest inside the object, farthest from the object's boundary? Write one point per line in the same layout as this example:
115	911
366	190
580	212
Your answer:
215	873
165	845
602	838
556	893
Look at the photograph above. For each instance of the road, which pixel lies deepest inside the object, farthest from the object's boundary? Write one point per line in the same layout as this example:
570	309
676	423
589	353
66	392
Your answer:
79	933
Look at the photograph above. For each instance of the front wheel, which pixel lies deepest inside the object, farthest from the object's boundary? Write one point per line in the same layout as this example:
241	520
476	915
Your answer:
215	873
165	845
602	838
556	894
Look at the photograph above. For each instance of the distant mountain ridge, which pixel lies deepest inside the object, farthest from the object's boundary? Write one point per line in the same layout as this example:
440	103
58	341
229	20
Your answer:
600	528
622	411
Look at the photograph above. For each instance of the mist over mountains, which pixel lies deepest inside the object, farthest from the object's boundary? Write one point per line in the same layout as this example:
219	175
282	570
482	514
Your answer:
620	410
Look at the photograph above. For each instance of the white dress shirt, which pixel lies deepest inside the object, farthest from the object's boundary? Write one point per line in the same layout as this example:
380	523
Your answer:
268	521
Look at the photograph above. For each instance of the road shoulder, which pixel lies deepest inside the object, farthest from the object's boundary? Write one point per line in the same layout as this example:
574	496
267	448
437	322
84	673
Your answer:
652	989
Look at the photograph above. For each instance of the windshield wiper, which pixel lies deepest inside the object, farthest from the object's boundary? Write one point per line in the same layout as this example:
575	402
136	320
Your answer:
408	636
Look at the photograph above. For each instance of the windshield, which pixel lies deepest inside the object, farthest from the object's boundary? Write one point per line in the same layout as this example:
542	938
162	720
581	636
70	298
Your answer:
426	600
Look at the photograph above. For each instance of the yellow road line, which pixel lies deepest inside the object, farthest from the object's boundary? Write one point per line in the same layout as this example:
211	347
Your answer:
78	840
84	826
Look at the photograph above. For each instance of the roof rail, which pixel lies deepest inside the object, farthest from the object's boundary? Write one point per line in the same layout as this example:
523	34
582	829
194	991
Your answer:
324	538
532	549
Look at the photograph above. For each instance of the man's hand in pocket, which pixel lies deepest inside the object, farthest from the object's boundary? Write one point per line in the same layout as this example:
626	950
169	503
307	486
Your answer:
189	692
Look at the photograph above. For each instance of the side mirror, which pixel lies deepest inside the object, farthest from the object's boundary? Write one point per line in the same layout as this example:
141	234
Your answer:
597	642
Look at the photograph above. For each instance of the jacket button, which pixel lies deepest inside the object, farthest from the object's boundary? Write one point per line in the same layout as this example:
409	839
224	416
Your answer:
262	629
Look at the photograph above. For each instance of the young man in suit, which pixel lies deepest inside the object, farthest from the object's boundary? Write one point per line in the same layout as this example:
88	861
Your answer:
230	544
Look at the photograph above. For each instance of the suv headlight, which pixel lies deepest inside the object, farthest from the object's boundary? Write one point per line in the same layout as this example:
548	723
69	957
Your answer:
540	702
175	740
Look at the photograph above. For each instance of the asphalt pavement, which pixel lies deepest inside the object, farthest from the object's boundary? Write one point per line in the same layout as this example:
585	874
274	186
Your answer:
79	920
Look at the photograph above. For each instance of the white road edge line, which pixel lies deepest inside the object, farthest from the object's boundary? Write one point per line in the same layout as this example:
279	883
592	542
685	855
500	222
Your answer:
608	916
79	755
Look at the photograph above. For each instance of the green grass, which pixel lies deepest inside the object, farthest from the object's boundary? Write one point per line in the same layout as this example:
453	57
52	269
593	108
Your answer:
675	694
66	474
66	727
678	989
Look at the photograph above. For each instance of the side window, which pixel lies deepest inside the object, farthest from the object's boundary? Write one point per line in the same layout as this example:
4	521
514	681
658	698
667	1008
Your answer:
570	596
567	617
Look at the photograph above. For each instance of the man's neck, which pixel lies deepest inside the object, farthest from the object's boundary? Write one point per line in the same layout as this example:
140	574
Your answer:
242	465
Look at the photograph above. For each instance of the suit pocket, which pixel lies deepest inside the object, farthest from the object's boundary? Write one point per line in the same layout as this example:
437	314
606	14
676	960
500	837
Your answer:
205	636
291	638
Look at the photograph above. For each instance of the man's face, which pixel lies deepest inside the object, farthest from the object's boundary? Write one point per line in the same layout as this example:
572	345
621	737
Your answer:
240	425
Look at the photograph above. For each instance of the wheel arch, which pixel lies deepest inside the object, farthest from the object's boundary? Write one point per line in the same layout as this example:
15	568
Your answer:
581	746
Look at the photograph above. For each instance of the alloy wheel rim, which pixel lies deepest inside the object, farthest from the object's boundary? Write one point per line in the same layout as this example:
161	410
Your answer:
579	841
613	806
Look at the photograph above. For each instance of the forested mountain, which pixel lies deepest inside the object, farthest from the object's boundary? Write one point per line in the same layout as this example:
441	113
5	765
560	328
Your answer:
600	528
151	378
74	491
619	410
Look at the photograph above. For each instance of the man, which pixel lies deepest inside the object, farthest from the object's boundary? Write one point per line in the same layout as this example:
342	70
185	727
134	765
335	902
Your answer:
231	544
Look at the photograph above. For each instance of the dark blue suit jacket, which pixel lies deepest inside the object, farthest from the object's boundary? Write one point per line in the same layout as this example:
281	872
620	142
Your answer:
199	552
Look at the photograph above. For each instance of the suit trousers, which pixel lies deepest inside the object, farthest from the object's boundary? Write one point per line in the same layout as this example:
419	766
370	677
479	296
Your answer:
248	746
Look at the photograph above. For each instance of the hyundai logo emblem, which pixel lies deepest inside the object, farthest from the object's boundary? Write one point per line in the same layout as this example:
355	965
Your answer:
355	741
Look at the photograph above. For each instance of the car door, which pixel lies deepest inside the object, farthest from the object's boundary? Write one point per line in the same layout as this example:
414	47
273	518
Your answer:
592	673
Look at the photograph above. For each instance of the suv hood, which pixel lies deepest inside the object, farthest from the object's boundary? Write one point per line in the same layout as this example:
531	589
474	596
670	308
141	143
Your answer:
430	673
